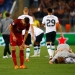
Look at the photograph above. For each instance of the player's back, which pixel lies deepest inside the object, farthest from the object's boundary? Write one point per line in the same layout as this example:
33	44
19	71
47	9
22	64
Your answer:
60	46
18	26
50	22
30	18
23	16
4	25
37	31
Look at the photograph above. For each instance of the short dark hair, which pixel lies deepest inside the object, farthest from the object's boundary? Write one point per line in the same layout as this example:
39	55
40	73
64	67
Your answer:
49	10
26	19
7	14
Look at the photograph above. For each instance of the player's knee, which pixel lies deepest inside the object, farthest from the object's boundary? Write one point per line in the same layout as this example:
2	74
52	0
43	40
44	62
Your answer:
52	44
35	45
13	48
21	48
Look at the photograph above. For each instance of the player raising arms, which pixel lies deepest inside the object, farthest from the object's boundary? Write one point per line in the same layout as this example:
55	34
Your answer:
28	40
16	39
49	22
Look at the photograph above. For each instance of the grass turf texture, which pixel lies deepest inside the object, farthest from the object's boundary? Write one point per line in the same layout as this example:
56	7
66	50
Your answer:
36	66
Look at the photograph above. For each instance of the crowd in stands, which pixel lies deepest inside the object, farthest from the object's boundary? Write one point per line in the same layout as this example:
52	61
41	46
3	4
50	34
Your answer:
5	6
63	9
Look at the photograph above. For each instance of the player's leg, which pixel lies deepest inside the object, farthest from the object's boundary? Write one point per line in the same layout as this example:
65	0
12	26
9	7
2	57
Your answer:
35	50
48	38
21	51
21	55
27	53
53	36
28	42
38	40
7	42
14	56
39	50
13	53
36	47
6	49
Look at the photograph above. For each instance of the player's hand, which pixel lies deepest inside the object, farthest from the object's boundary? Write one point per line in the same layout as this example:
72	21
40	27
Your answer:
61	35
50	62
26	46
32	41
22	46
14	38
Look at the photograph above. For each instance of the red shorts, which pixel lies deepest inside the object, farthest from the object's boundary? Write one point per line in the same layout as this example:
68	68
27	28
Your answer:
18	42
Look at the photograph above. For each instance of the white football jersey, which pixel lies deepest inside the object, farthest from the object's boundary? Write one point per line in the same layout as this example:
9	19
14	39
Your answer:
60	46
69	60
30	18
50	23
37	31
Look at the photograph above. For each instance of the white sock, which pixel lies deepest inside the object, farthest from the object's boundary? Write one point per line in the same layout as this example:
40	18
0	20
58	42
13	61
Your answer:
38	50
27	53
52	51
48	49
35	50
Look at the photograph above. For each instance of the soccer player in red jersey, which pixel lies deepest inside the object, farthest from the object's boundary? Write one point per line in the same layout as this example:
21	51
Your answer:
16	39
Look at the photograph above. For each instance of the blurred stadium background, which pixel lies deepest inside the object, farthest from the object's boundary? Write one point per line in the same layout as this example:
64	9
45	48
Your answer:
63	9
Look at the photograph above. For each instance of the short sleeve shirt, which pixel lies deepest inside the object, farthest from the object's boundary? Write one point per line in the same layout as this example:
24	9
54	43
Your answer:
50	23
18	26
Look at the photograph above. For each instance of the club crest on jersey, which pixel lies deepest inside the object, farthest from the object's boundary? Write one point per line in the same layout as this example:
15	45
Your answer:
18	29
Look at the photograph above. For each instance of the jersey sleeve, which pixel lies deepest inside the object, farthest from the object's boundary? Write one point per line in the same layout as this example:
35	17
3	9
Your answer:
15	22
31	20
21	17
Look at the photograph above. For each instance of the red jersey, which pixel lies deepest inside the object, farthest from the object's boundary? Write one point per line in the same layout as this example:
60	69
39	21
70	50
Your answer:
18	26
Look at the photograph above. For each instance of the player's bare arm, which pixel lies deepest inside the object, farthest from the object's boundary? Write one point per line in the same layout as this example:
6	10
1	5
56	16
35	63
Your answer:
50	62
11	31
43	25
60	29
25	36
32	29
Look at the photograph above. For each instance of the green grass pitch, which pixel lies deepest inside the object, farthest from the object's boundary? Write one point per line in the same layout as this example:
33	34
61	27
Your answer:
36	66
